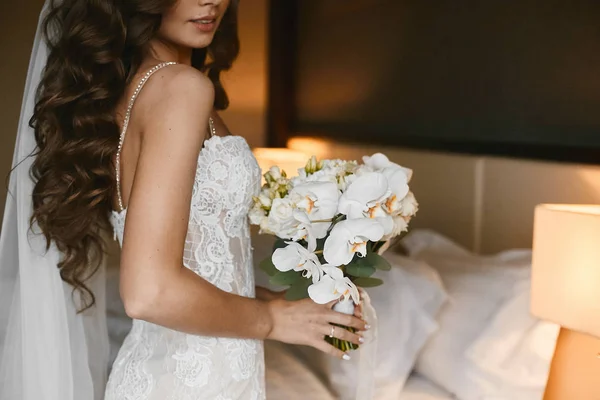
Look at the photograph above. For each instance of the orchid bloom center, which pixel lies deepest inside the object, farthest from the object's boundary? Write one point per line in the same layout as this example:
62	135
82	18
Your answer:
373	211
310	204
390	202
358	246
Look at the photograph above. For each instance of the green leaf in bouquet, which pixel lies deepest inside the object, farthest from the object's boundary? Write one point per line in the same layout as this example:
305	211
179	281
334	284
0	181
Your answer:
320	244
377	261
359	269
298	290
367	282
285	278
268	267
279	244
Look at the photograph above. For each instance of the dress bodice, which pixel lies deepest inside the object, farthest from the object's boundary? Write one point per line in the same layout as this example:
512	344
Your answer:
217	242
156	362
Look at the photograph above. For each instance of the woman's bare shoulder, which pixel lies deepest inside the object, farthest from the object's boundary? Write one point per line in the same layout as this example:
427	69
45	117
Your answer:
177	95
175	85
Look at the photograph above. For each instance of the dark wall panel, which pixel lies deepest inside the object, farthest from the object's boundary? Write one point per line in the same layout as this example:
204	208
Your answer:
493	72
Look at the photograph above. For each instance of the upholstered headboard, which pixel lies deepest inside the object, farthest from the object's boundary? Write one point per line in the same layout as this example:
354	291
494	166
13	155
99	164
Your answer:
484	203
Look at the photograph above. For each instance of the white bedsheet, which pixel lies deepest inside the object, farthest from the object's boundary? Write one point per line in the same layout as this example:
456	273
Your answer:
419	388
289	378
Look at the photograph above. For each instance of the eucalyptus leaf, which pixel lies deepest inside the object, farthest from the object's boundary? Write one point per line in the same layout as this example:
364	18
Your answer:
377	261
299	290
285	278
359	269
268	267
320	244
367	282
279	244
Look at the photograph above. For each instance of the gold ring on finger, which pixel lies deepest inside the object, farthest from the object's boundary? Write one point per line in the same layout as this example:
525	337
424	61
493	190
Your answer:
332	331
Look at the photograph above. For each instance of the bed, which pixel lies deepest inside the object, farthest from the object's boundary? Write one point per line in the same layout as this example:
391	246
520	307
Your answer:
283	363
474	231
458	289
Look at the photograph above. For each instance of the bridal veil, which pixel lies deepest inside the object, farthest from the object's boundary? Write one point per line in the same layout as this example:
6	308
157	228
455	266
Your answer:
47	349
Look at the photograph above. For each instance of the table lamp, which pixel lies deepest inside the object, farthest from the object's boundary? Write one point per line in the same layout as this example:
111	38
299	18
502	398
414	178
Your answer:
286	159
565	289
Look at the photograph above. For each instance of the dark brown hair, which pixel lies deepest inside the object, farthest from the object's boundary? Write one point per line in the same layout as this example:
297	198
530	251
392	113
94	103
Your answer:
95	48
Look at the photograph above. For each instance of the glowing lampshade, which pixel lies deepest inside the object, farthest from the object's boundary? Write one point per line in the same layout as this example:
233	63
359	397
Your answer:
286	159
565	283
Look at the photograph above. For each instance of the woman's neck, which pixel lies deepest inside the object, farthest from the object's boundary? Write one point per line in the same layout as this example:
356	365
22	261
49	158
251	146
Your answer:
165	51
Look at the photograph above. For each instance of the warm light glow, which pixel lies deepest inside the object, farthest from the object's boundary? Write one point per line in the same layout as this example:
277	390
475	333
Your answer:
320	148
565	286
286	159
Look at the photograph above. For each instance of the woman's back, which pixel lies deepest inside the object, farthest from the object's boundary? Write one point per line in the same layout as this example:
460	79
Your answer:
159	363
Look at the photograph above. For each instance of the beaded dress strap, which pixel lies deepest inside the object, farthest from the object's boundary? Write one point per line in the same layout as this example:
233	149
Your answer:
138	89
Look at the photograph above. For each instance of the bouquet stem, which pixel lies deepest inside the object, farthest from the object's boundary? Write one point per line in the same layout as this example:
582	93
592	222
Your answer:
345	307
343	345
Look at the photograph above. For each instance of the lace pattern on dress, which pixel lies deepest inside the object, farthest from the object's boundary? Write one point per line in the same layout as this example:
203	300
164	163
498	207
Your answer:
159	363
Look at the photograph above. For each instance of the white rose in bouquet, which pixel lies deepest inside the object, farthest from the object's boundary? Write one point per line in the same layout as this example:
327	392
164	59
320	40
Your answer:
281	221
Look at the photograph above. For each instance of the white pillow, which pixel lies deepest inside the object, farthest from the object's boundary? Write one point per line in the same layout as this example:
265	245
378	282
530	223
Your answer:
516	346
478	287
406	305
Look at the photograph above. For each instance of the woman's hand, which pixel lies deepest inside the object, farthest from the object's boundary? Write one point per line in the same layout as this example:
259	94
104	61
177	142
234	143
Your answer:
307	323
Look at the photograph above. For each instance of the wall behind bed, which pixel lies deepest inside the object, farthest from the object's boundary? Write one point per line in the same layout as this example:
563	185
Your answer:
484	203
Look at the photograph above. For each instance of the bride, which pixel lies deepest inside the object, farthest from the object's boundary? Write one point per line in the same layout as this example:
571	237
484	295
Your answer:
125	137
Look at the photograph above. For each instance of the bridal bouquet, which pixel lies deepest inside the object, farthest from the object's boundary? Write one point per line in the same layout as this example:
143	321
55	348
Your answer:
333	221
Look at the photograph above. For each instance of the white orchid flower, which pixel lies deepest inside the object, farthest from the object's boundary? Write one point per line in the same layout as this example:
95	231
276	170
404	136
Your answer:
319	200
380	162
398	185
315	206
296	257
365	198
332	286
309	231
350	237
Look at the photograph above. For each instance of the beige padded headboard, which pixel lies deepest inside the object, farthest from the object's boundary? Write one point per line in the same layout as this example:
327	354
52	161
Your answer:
484	203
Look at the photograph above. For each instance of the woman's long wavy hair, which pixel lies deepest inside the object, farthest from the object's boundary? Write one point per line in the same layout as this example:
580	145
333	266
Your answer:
95	49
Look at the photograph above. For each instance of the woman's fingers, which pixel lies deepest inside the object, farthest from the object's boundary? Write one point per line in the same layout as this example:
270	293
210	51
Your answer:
326	348
342	334
347	320
331	304
357	308
358	311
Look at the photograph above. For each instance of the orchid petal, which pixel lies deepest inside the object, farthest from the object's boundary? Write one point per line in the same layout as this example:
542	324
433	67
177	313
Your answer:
318	199
286	258
323	291
341	245
377	161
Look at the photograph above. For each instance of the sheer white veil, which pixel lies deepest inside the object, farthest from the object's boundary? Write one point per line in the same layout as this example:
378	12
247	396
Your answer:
47	350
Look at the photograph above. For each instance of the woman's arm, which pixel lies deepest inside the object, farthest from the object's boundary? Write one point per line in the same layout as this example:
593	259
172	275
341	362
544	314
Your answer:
268	294
155	286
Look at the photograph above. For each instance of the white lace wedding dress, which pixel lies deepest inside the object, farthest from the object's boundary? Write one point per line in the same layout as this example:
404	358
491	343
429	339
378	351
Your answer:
157	363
